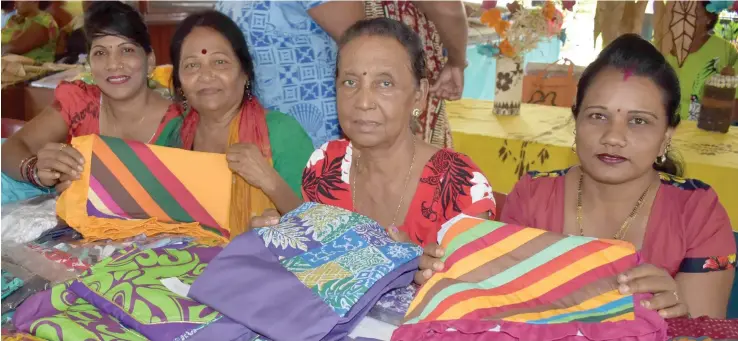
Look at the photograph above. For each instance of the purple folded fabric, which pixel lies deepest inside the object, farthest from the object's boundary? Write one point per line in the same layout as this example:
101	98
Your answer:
342	266
129	288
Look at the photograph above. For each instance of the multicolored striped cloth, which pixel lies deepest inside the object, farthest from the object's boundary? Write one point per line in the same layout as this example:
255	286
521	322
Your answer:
511	282
130	188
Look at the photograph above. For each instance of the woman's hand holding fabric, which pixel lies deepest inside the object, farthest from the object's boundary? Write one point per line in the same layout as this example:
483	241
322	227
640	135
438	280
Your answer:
58	162
247	160
647	278
430	261
269	217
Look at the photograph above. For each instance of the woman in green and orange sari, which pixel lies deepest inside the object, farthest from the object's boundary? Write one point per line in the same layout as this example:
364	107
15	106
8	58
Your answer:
31	32
266	150
120	104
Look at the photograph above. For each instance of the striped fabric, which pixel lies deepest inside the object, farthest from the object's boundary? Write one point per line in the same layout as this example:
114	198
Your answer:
507	276
128	188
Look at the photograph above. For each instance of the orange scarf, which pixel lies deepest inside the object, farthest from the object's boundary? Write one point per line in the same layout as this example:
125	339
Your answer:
248	127
246	201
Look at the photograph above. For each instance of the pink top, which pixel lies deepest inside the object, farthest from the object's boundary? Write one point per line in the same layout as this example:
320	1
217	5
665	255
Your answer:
688	229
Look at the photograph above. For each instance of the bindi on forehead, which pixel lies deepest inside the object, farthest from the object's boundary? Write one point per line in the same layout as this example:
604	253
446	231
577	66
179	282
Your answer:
204	51
627	73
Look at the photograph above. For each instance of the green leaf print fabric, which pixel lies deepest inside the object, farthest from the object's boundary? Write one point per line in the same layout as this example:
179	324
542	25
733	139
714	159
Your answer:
123	298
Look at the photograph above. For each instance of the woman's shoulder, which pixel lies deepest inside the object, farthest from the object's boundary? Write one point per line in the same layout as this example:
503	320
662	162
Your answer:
76	89
684	190
281	121
330	150
45	19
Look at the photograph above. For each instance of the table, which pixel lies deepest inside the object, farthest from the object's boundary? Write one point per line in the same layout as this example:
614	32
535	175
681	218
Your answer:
541	139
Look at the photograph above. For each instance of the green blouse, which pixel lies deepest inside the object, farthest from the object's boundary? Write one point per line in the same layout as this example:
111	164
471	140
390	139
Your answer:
291	148
41	54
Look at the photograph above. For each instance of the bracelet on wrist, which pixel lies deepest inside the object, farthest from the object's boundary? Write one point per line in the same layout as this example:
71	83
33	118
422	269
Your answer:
33	176
23	168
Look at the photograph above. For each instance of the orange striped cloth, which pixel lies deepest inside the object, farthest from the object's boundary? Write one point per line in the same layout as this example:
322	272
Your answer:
129	188
517	282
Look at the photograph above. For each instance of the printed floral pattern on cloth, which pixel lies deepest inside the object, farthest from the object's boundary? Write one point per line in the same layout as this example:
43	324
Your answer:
450	184
339	255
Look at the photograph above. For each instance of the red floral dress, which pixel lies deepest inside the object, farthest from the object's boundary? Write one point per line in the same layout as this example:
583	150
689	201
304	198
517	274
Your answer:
449	185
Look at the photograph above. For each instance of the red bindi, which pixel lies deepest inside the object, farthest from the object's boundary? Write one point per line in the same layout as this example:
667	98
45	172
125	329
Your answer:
204	51
627	73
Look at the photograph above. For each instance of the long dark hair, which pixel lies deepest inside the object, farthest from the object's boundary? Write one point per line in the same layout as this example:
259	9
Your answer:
225	26
632	52
104	18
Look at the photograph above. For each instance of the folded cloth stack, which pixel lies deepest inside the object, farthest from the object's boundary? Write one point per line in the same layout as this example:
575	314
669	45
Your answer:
124	298
314	276
18	284
508	283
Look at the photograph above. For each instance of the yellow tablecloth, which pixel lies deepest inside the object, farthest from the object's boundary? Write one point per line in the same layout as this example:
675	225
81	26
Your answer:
541	138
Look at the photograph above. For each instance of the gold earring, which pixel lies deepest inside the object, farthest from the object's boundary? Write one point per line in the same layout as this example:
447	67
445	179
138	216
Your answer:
416	112
661	159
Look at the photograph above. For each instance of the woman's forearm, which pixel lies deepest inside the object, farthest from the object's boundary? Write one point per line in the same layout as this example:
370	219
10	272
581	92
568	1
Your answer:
282	196
449	17
14	151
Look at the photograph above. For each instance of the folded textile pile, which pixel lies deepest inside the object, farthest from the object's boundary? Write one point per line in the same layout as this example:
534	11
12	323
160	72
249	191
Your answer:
513	283
17	285
312	277
26	220
123	297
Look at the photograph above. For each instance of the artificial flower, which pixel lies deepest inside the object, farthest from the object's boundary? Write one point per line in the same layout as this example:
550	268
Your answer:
554	26
488	50
549	10
489	4
568	5
507	49
717	6
513	7
493	19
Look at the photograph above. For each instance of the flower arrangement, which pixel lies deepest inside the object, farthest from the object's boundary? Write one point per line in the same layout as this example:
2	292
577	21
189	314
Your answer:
523	28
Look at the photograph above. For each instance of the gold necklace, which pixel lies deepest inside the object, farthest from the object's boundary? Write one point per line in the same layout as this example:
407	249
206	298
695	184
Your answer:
626	224
402	198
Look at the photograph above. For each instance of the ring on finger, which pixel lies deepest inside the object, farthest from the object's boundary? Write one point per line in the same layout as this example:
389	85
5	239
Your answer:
676	295
62	146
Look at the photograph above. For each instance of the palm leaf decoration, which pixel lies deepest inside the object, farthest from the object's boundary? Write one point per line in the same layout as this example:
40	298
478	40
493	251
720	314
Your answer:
682	27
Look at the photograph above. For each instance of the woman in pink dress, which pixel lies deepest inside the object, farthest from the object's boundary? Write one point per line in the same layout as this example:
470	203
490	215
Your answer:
628	186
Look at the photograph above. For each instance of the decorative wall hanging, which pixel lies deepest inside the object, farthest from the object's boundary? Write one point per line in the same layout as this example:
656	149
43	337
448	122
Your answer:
682	26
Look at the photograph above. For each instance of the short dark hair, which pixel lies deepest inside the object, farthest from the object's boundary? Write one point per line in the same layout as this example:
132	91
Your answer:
106	18
631	52
7	5
713	17
384	27
223	25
